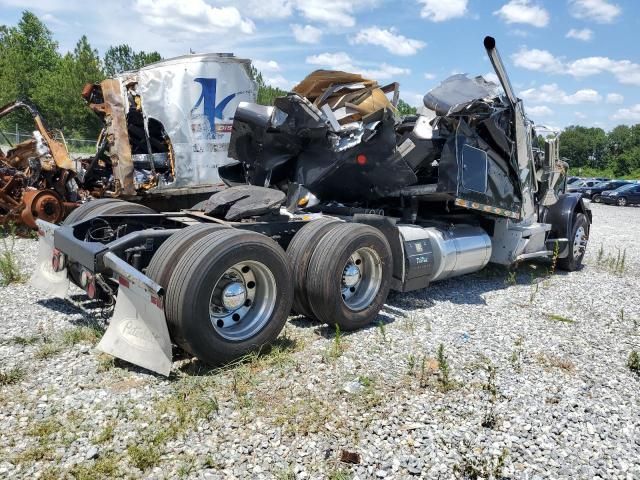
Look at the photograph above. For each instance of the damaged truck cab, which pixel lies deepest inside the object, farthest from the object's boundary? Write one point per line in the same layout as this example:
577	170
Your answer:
332	201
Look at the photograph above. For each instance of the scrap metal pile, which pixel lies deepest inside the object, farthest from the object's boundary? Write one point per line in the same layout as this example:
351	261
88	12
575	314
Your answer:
337	138
37	176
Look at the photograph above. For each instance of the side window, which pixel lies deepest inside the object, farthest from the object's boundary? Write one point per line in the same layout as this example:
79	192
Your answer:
474	169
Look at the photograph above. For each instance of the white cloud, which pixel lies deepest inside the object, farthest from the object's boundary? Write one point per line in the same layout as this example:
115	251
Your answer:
266	66
267	9
278	81
539	60
631	114
439	11
624	71
192	16
306	33
390	40
430	76
552	93
523	11
335	61
600	11
614	98
540	111
338	13
585	34
342	61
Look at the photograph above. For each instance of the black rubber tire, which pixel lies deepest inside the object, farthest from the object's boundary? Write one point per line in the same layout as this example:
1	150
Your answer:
299	253
105	206
189	292
596	198
164	261
326	270
623	199
571	263
85	209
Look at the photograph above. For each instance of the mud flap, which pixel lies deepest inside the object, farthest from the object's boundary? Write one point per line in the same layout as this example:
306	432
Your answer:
138	331
55	284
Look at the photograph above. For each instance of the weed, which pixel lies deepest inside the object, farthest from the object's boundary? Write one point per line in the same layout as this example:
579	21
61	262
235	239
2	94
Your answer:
45	428
105	362
490	386
554	361
107	432
518	353
559	318
511	278
187	467
47	350
339	474
336	349
490	419
34	454
634	362
443	367
383	331
534	292
144	456
472	467
24	341
11	376
286	474
104	467
615	263
9	268
84	334
411	364
554	258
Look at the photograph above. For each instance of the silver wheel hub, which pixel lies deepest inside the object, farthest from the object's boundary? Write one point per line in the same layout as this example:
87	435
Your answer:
580	242
242	300
361	279
351	275
234	296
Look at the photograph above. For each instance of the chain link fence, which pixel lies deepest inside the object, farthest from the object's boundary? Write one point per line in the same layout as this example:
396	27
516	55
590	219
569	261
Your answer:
76	146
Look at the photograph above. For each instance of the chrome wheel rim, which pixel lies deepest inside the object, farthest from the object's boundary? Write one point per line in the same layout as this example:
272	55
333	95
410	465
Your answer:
579	242
622	201
361	279
242	300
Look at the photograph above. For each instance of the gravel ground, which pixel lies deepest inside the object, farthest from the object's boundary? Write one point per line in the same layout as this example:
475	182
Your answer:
535	385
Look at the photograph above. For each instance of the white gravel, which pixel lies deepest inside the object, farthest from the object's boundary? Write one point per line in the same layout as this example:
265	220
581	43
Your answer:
539	386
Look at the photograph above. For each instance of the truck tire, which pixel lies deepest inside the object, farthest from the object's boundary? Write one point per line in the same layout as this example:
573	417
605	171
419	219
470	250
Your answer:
299	253
349	276
165	259
229	294
577	244
105	206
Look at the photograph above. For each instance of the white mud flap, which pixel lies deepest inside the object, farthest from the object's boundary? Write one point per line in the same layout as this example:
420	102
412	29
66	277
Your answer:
138	331
55	284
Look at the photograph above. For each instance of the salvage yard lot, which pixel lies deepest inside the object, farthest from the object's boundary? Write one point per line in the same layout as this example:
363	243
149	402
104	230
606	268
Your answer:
516	375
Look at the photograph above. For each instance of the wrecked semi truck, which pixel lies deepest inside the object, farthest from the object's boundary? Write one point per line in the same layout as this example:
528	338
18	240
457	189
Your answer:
332	202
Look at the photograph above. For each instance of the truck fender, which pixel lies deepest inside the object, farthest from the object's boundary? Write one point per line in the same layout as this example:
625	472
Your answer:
138	331
44	278
561	214
388	228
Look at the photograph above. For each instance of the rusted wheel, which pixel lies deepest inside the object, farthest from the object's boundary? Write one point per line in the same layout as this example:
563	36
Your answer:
41	204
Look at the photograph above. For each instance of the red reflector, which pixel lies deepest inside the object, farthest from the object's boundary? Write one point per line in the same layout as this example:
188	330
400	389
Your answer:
361	159
157	301
91	290
123	281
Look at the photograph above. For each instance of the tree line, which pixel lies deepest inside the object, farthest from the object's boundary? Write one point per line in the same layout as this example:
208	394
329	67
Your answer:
592	151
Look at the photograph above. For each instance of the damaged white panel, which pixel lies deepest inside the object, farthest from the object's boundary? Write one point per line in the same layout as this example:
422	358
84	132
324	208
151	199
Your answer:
195	98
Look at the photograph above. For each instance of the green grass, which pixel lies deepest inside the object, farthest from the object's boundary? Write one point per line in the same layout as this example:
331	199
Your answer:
634	362
559	318
144	456
11	376
9	268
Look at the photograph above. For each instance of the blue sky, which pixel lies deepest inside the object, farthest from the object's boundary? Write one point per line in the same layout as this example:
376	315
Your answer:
572	61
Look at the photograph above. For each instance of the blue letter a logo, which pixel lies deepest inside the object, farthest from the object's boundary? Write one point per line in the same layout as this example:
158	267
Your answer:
208	99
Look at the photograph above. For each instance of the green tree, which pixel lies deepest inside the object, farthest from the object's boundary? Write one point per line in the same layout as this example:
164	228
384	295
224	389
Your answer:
59	93
405	109
121	58
28	53
266	93
584	147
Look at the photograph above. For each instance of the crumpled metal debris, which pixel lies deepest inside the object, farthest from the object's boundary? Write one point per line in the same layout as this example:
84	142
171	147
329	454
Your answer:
37	176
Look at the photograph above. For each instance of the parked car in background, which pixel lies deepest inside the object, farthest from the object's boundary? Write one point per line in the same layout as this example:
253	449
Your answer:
626	195
575	186
571	180
595	192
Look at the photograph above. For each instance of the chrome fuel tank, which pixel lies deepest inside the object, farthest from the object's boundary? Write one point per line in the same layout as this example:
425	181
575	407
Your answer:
436	253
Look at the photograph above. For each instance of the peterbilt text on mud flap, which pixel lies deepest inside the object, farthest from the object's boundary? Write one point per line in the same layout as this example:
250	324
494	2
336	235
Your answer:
333	201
